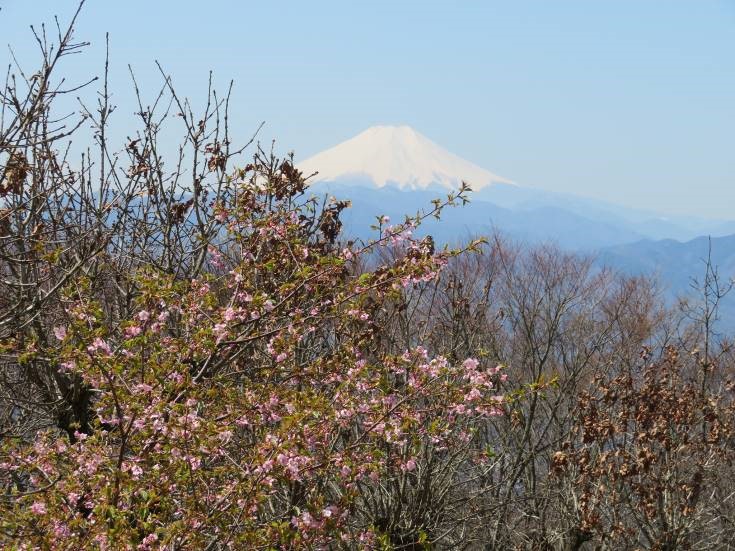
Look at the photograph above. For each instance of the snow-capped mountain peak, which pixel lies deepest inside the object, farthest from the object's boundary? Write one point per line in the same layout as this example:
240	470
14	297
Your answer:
396	155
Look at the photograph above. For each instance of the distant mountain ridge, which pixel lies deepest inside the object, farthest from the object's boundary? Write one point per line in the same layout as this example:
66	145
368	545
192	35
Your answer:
677	265
382	159
395	170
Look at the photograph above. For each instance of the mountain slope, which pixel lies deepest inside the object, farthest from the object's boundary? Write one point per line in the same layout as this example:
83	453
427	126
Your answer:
675	264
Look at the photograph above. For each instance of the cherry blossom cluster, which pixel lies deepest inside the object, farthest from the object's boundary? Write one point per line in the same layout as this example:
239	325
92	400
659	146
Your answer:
249	405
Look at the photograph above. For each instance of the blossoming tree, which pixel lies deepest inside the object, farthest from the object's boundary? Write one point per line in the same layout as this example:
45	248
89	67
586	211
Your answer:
202	364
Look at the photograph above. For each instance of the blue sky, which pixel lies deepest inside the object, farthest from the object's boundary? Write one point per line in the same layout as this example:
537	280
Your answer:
631	101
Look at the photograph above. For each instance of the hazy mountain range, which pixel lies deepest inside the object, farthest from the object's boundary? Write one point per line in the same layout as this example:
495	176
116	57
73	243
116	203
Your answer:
394	170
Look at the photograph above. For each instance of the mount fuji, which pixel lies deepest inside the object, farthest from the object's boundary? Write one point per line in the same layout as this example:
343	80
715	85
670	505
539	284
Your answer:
395	170
396	156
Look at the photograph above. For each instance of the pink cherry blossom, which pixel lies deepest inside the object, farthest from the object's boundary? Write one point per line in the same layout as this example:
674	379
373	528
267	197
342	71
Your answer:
133	331
38	508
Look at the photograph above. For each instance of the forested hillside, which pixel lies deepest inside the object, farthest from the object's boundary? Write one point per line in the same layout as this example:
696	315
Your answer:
194	356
